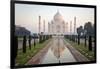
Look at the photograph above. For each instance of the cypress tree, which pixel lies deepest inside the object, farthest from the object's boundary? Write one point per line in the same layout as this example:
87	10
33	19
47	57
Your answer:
90	43
78	39
34	42
85	41
24	44
30	42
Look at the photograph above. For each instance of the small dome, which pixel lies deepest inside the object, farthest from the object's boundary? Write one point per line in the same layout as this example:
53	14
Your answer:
58	17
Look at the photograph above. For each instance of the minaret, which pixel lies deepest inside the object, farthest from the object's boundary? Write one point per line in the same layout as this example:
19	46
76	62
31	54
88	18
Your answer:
39	25
74	25
66	26
70	27
63	27
44	26
48	27
52	27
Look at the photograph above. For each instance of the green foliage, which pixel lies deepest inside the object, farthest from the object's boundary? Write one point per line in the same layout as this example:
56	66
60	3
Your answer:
83	50
24	44
89	28
22	58
80	30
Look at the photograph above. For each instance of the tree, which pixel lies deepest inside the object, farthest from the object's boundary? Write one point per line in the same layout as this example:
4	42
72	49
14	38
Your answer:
24	44
30	42
79	31
34	42
89	29
89	32
40	38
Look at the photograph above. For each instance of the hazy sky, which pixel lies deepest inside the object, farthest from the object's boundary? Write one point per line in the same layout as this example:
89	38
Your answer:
28	15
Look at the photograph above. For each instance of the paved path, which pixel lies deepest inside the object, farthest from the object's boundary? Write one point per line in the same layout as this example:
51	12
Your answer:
57	51
78	56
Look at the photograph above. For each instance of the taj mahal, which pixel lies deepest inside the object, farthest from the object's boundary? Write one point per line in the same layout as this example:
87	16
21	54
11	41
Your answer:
57	26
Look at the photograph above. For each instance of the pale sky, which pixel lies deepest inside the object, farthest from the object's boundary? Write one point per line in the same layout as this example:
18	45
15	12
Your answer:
27	15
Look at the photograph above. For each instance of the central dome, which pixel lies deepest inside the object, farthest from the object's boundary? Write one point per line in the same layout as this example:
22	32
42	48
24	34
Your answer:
58	16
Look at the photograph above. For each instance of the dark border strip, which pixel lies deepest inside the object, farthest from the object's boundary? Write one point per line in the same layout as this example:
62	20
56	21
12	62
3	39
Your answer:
54	4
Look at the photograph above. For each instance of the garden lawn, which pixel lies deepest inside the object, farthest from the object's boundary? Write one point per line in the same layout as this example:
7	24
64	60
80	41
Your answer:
83	50
23	58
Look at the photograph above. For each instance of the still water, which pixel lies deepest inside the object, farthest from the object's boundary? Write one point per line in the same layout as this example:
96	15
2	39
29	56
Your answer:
58	52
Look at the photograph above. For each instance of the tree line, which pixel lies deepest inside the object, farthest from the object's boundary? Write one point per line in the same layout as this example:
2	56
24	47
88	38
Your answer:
86	32
42	38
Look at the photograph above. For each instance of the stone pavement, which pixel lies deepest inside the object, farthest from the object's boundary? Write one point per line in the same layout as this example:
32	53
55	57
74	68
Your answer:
78	56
